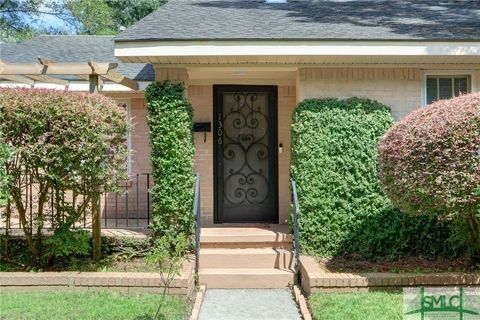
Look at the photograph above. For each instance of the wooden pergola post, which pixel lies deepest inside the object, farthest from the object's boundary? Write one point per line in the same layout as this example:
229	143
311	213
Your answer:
93	83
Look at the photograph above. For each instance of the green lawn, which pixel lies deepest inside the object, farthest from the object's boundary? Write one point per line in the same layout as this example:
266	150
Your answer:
89	305
353	306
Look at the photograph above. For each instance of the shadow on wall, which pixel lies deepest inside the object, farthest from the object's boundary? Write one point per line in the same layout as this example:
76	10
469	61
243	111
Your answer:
408	18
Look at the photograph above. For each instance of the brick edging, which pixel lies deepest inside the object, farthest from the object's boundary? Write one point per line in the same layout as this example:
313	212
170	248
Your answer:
198	303
316	279
302	303
120	281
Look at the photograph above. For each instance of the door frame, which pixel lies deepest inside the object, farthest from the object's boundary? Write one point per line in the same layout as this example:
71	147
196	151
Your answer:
217	103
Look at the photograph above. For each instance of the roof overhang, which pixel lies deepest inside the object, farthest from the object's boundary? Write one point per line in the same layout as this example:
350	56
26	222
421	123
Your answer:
297	52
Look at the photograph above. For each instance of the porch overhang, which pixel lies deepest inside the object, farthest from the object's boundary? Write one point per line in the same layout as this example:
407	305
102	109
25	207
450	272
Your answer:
297	53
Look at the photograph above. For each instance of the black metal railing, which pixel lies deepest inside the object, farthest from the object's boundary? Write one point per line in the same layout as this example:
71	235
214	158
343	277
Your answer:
196	214
296	241
129	208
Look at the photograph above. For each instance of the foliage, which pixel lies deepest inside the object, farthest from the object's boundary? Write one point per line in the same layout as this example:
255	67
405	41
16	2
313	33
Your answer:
118	254
127	12
95	16
169	116
356	306
334	164
429	162
69	147
5	155
89	305
392	234
167	256
66	242
23	19
107	16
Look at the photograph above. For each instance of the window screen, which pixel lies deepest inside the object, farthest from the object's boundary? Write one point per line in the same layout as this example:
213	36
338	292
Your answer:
446	87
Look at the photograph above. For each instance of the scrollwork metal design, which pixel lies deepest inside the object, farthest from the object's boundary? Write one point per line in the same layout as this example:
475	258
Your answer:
245	148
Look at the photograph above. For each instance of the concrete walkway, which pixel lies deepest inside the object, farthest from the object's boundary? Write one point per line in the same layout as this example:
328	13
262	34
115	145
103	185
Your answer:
251	304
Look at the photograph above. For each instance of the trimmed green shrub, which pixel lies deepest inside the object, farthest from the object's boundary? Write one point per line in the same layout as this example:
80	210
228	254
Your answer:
334	161
62	143
343	208
429	163
392	234
169	116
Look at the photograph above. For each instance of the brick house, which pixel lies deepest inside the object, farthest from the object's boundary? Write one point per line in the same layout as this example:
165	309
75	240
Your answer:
246	64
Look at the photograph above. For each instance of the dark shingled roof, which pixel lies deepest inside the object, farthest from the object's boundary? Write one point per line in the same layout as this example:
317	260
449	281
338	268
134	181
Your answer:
74	49
310	19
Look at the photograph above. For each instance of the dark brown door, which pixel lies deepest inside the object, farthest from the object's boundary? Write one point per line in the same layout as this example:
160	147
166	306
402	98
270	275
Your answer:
245	132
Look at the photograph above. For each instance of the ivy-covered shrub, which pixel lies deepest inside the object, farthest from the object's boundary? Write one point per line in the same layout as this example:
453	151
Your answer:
391	234
334	162
169	116
429	163
343	208
62	143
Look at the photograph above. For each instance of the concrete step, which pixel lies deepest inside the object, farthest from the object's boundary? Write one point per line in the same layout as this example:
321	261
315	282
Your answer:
246	278
268	236
246	258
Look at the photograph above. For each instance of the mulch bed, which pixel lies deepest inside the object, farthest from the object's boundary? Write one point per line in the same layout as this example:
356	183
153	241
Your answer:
354	264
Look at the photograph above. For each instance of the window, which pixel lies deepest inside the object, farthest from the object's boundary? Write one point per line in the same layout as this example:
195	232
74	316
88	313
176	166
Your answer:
126	105
439	87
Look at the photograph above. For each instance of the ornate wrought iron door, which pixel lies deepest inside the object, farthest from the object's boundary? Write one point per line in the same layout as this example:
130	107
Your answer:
245	153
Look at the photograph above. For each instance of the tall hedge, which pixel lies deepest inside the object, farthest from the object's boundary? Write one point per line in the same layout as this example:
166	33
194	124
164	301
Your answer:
169	116
343	208
430	163
334	163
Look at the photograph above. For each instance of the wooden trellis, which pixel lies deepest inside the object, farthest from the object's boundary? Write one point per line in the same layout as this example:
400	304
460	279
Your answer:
42	71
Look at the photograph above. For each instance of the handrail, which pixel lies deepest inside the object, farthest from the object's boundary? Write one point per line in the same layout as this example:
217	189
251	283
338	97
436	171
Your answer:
296	212
196	214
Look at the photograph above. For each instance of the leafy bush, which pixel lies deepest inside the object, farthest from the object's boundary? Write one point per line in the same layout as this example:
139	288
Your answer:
63	143
392	234
169	116
334	164
66	242
429	163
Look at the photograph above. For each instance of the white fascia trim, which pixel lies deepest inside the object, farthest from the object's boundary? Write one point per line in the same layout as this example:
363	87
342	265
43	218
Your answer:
426	73
296	48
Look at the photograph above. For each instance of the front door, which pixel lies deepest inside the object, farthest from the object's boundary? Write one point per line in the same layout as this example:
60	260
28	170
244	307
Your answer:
245	148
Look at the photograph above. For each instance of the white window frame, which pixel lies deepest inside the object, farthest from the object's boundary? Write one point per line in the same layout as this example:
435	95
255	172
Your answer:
127	103
447	73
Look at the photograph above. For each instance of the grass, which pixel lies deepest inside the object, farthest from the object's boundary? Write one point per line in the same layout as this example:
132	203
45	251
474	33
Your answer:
89	305
353	306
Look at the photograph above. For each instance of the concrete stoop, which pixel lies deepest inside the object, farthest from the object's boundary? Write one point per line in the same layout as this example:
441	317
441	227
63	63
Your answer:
246	257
